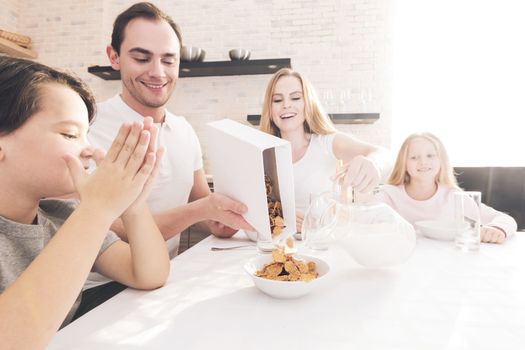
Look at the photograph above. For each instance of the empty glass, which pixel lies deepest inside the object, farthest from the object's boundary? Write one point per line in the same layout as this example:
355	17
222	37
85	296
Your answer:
468	220
319	221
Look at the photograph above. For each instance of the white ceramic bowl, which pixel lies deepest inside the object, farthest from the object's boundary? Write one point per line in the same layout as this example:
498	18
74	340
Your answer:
192	54
444	230
239	54
285	289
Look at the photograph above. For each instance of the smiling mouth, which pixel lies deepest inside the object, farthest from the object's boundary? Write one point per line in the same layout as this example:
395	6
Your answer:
154	86
287	115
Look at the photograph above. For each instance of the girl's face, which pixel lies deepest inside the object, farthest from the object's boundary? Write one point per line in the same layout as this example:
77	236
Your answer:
33	154
423	163
288	104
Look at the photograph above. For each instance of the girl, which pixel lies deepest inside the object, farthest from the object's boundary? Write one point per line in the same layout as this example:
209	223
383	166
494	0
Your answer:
48	247
422	187
291	111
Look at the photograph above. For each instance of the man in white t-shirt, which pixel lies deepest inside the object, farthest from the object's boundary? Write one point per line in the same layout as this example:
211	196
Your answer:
145	48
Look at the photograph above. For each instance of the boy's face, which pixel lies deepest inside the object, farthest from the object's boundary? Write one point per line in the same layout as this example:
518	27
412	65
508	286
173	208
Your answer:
288	104
33	154
148	62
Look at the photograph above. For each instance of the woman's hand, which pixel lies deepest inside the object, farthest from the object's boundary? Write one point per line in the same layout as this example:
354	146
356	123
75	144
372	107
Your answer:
492	235
299	216
121	176
361	173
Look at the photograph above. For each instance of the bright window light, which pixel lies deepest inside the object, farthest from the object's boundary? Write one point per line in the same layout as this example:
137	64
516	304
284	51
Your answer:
459	72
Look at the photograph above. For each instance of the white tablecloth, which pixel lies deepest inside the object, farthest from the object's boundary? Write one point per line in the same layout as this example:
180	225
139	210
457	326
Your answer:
438	299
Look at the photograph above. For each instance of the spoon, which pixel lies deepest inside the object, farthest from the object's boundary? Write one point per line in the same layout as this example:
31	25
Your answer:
230	248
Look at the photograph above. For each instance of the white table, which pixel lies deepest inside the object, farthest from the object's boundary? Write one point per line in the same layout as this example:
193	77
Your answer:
438	299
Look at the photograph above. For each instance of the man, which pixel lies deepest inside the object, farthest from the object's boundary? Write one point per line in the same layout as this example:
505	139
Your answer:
145	48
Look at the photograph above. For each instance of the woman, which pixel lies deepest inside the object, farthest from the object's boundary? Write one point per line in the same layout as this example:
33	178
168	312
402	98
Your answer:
291	110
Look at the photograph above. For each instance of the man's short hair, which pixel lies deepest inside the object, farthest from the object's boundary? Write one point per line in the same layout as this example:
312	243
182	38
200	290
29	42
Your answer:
140	10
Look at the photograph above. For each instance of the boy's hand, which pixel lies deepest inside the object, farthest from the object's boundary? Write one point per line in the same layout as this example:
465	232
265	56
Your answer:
121	176
140	202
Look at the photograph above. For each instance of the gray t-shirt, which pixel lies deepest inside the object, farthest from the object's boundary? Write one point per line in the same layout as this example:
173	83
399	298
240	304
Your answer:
21	243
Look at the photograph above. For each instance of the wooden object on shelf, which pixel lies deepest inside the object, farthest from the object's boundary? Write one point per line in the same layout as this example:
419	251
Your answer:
14	50
337	118
19	39
212	68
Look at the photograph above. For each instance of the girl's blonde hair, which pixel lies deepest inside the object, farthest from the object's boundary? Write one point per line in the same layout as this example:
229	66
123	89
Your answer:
316	120
400	174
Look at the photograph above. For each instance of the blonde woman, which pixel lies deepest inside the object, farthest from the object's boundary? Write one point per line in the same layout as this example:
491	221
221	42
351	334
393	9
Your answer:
292	111
422	187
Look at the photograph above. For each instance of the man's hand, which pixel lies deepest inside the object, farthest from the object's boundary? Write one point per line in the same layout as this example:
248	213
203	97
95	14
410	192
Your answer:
226	215
219	230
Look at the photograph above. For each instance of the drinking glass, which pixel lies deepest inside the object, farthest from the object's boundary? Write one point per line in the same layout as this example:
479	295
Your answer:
468	220
319	221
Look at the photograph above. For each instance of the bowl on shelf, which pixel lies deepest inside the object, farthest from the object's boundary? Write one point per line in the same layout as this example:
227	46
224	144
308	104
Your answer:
201	56
285	289
239	54
192	54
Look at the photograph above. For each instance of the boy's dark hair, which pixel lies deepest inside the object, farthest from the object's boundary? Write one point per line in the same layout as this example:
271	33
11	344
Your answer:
139	10
20	94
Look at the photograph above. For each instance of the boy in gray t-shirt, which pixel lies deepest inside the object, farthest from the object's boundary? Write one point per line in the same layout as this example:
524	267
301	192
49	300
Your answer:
20	244
48	247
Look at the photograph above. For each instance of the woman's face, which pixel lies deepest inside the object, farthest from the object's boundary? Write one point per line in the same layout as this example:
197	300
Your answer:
423	163
34	153
288	104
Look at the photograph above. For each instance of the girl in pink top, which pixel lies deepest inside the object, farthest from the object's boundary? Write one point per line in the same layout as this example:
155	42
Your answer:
422	186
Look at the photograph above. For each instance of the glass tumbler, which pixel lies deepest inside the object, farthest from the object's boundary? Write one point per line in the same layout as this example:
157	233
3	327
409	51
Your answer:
319	221
468	220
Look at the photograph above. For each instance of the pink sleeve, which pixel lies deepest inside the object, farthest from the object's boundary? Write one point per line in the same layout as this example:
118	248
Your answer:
494	218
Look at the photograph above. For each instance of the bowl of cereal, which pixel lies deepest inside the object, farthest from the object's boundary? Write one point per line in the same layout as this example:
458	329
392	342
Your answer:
286	276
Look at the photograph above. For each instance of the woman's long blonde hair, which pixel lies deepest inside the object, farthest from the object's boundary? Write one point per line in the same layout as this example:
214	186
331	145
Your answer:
316	120
400	174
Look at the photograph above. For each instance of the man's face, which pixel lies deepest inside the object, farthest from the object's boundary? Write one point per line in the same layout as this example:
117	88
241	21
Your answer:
148	62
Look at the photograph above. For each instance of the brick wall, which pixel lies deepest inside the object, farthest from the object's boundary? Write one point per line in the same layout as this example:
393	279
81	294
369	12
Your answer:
343	47
9	15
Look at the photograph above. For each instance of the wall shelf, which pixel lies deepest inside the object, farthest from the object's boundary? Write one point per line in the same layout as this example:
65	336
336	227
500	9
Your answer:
14	50
212	68
337	118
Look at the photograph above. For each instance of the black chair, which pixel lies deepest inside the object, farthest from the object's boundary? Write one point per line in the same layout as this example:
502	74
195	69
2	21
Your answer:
503	188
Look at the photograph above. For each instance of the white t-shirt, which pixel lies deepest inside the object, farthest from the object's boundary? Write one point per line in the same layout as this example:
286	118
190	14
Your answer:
313	171
439	206
182	158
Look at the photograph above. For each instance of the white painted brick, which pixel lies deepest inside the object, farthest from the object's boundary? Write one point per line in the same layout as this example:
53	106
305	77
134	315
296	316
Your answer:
336	44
